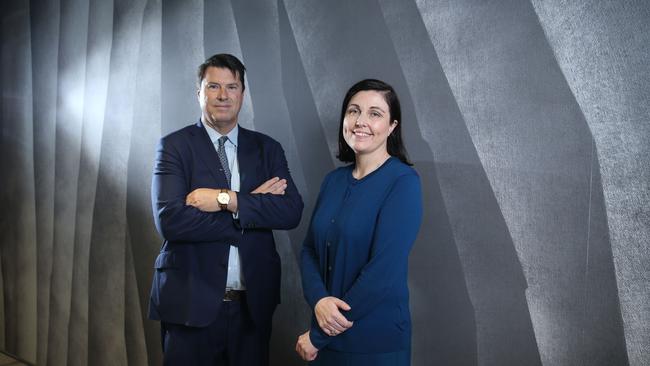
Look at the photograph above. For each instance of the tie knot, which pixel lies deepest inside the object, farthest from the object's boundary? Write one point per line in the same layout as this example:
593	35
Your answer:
222	140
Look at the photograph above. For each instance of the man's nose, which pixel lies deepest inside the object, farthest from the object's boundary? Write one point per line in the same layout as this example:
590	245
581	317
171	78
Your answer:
221	94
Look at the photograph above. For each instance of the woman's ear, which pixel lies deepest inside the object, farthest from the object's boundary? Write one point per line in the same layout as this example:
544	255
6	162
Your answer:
392	126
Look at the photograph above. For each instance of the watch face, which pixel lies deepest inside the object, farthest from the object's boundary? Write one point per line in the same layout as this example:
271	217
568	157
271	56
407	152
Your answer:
223	198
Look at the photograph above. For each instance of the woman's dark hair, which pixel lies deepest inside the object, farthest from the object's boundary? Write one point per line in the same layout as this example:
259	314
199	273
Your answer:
395	146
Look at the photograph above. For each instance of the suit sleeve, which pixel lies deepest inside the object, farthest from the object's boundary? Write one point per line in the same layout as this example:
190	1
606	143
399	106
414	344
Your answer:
271	211
395	232
174	220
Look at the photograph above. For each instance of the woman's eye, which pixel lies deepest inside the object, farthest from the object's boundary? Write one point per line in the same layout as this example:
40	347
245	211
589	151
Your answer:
352	111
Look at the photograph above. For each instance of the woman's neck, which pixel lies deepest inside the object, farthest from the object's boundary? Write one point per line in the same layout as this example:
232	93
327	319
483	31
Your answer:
368	163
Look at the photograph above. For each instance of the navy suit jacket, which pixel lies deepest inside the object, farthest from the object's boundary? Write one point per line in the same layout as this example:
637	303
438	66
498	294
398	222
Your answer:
191	269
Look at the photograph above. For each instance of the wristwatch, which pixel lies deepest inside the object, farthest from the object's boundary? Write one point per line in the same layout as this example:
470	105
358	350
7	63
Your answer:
223	199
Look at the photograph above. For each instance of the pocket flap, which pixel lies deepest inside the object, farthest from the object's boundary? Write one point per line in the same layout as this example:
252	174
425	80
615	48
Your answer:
166	260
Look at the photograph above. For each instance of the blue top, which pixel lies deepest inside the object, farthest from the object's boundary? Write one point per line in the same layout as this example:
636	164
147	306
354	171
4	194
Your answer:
357	249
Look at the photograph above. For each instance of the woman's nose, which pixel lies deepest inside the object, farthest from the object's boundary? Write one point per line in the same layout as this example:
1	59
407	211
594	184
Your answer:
360	120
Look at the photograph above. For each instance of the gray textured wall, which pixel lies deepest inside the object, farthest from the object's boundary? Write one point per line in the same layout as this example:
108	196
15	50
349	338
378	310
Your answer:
528	122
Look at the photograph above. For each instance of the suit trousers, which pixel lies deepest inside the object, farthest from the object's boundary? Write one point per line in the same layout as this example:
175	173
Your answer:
230	340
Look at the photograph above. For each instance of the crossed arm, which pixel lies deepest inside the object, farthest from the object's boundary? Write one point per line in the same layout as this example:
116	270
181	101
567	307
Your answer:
194	217
205	199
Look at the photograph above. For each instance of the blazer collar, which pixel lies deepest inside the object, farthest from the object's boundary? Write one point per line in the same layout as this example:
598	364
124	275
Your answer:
208	154
249	153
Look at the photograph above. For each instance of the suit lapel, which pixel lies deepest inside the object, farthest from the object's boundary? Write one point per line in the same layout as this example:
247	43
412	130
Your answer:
248	153
206	151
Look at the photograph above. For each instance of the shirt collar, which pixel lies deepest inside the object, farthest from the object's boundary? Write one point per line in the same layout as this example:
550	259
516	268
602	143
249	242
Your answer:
233	135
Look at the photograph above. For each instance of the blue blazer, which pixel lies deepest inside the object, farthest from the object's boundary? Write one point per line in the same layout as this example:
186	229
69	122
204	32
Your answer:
191	269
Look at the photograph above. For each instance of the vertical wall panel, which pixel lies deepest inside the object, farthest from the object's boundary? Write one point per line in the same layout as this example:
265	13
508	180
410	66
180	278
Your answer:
98	51
108	290
182	53
146	130
44	21
19	219
69	113
535	146
602	50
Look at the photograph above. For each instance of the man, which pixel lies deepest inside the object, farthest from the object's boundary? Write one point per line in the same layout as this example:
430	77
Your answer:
217	192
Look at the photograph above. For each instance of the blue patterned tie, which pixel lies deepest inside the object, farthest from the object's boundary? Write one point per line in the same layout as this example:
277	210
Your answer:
221	151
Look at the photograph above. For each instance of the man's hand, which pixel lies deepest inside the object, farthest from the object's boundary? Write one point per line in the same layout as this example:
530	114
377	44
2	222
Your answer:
305	349
273	186
329	318
205	199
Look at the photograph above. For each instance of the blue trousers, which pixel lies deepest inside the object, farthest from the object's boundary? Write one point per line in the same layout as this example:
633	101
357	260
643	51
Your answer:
231	340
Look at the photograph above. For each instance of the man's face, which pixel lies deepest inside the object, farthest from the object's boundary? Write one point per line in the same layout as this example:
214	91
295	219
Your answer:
220	96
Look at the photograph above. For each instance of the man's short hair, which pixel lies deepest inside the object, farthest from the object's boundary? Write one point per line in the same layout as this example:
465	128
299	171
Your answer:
224	61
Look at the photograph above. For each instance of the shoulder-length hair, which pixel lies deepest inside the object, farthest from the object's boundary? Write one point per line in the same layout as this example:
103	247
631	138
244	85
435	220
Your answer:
394	145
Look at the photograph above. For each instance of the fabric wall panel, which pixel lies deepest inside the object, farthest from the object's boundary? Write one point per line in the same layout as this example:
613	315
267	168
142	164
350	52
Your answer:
601	49
98	51
107	297
182	52
19	219
146	129
536	152
44	20
69	116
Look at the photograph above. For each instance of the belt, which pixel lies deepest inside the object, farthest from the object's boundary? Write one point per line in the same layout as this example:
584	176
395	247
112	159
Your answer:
234	295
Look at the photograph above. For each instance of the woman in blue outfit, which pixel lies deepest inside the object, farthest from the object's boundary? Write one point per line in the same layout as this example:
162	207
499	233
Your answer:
355	256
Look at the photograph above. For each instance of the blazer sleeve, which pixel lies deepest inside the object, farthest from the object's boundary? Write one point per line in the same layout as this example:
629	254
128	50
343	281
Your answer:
271	211
395	232
175	220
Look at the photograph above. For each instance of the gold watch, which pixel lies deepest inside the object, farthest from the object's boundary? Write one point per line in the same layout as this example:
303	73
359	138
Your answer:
223	198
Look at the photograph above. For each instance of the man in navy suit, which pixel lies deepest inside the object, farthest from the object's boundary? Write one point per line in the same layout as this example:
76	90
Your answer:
217	192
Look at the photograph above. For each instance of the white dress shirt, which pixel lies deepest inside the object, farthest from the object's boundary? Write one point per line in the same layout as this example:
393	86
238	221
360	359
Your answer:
235	279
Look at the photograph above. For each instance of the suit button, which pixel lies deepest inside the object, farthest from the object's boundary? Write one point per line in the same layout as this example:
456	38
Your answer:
329	268
333	221
329	244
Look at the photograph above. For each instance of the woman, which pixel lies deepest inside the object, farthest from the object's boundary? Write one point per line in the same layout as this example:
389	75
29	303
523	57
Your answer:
355	256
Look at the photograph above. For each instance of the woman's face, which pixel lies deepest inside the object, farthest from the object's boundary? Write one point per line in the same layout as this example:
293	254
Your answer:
367	124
